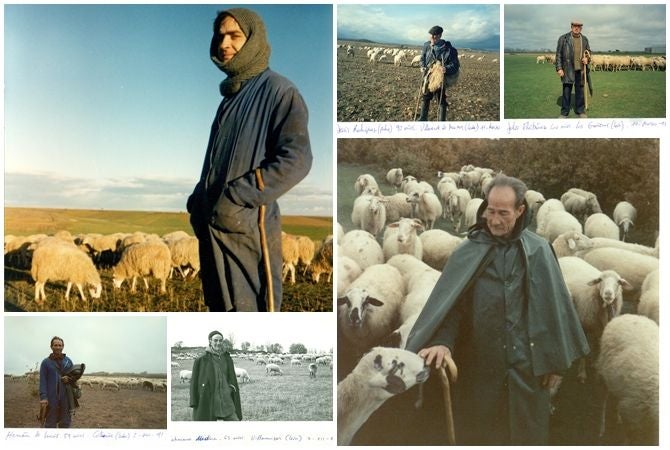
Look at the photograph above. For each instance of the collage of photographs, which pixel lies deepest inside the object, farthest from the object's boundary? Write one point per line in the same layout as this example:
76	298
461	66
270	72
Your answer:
438	224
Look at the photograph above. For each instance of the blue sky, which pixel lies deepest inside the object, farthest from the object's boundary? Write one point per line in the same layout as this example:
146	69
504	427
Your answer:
466	26
110	106
608	27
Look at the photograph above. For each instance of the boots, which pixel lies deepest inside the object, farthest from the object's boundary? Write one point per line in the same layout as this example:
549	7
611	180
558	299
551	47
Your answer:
443	112
424	109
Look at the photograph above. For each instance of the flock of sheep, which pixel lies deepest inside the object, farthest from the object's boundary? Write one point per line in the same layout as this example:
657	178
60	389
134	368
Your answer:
388	266
106	383
615	63
398	55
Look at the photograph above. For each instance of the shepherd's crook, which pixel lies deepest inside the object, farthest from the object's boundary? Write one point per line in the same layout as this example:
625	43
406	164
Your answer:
416	108
264	244
446	393
586	81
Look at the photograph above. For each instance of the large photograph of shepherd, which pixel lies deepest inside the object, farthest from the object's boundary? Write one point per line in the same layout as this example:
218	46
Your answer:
381	76
138	143
585	61
85	372
498	291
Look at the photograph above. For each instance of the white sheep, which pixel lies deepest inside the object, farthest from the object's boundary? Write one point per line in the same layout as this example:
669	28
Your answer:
401	237
624	216
323	262
273	369
397	206
428	207
339	232
599	242
394	177
184	253
597	297
242	374
296	362
534	199
628	364
471	212
176	235
458	202
185	375
648	305
369	309
290	252
111	385
631	266
64	262
416	60
347	271
445	187
379	375
557	223
599	225
369	214
543	211
362	247
580	203
306	251
438	245
142	260
364	181
570	243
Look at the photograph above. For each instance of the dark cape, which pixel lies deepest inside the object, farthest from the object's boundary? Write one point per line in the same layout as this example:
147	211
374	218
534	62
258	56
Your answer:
502	307
204	385
263	126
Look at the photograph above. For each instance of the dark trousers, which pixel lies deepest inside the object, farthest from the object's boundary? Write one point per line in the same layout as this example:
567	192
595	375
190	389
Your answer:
425	105
58	415
579	95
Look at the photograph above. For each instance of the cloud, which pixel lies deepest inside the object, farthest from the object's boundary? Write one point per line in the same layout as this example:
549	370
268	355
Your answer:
51	190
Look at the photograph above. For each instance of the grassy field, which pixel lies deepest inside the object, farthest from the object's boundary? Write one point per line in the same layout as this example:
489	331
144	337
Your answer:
534	91
182	295
294	396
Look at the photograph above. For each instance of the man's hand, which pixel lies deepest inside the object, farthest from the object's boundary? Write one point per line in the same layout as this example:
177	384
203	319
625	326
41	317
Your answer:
44	402
437	353
560	73
65	379
585	60
550	380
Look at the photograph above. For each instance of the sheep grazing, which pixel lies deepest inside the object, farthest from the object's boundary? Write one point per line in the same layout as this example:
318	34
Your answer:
458	202
142	260
176	235
557	223
624	216
379	375
369	309
438	245
64	262
306	251
312	370
112	386
628	364
580	203
242	374
364	181
290	253
631	266
184	253
648	305
323	262
571	242
369	214
362	247
599	225
273	369
597	297
394	177
401	237
471	212
347	271
428	207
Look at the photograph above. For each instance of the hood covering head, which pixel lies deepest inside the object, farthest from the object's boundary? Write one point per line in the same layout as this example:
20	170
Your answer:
476	231
253	57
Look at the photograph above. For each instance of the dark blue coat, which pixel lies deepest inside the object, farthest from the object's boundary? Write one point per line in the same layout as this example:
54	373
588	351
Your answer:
52	389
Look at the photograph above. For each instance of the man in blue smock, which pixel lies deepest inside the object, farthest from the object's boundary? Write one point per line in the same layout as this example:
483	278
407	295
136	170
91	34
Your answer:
53	386
258	149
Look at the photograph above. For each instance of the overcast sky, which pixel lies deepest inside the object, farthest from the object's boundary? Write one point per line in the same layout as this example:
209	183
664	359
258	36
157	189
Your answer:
110	106
314	330
608	27
466	26
112	344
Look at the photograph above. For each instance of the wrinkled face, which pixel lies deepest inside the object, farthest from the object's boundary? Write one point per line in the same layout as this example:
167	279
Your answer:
436	37
232	39
576	29
216	342
501	213
57	346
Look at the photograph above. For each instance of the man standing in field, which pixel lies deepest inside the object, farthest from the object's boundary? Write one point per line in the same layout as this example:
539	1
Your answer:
502	309
437	50
571	61
258	149
214	393
56	394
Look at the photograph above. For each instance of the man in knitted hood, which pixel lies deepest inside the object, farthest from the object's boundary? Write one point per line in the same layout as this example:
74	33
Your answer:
258	149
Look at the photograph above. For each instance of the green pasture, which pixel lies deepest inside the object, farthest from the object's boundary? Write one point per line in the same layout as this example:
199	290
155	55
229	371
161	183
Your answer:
533	91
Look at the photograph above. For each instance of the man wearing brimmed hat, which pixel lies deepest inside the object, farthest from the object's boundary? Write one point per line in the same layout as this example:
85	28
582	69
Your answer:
214	393
571	60
437	50
258	149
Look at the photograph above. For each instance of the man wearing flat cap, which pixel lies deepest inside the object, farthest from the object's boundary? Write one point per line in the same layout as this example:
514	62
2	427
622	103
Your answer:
214	393
571	60
258	149
437	51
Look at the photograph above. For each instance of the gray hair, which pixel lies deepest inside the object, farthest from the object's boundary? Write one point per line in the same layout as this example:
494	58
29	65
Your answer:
502	180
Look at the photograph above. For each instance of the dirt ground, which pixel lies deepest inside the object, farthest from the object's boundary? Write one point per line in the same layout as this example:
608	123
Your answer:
382	92
128	409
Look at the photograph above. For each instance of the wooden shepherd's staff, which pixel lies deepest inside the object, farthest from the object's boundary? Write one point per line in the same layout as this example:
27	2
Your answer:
586	81
448	363
264	245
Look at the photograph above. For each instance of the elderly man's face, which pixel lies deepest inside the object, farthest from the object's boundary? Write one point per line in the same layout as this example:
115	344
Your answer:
57	346
435	37
576	29
232	39
216	342
501	213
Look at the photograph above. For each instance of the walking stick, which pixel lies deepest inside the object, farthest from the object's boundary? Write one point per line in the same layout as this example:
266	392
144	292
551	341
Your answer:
418	98
264	244
439	104
446	394
586	85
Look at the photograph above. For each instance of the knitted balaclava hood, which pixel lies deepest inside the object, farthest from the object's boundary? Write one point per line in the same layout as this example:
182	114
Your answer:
253	57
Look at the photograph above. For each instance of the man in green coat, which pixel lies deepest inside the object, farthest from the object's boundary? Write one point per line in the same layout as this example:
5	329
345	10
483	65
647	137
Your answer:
502	309
215	394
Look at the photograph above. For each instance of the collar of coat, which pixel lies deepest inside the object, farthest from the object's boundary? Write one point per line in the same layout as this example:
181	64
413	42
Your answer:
556	336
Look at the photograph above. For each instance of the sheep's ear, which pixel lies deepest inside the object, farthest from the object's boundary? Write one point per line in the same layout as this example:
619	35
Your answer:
393	225
418	224
373	301
625	285
343	301
378	362
596	281
572	244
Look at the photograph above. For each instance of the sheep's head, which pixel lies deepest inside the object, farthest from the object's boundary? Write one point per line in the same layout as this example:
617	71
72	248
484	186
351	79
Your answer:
97	291
407	229
610	286
577	241
117	277
394	370
375	206
356	303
